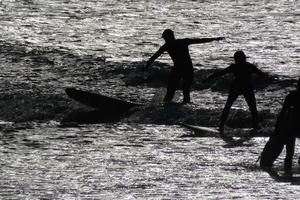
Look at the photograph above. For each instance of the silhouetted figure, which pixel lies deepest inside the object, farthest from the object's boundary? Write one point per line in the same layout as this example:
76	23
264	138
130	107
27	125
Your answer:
242	85
287	128
183	66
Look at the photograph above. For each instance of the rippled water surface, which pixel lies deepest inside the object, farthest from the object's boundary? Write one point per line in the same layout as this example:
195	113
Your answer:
100	46
130	30
122	161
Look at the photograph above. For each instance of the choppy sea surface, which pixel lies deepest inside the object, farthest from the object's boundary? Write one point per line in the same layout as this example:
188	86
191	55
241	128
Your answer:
102	46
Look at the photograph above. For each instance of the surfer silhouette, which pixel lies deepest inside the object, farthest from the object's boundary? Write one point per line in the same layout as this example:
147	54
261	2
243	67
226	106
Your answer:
183	66
287	128
242	85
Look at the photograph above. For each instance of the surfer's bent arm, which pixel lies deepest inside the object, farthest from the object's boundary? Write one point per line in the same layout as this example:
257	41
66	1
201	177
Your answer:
220	73
155	56
202	40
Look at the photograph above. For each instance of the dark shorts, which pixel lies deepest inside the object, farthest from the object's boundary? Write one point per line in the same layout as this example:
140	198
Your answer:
176	76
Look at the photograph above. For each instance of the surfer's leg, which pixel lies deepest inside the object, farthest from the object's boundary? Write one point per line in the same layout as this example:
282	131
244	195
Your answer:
231	98
250	99
186	96
172	86
272	150
187	82
290	148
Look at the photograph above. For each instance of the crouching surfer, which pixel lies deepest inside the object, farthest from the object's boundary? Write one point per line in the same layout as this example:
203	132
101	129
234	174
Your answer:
287	128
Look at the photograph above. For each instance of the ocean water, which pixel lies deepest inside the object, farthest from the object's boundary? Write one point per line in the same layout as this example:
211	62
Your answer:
126	161
101	46
131	30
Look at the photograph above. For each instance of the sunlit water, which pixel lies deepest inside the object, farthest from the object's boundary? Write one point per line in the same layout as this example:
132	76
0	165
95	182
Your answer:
47	45
122	161
131	30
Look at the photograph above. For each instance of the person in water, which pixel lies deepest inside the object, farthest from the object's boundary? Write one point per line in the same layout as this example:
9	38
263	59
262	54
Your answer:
183	67
242	85
287	128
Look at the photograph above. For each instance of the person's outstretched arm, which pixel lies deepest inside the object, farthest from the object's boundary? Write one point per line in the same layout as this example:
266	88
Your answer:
155	56
220	73
203	40
258	71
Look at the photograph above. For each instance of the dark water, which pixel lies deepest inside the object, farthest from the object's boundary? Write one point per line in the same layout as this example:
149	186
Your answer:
100	46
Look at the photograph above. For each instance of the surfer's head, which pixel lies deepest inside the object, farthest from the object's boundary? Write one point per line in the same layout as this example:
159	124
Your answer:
239	57
168	35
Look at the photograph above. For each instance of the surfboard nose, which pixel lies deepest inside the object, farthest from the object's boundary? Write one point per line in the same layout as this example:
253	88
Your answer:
106	109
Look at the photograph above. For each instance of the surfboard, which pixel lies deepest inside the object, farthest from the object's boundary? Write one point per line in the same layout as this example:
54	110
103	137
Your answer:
105	108
202	131
99	101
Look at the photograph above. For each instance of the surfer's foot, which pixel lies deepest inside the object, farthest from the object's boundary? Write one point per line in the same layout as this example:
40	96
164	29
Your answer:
257	127
253	132
226	137
223	135
186	102
287	164
221	130
168	101
186	99
288	168
266	167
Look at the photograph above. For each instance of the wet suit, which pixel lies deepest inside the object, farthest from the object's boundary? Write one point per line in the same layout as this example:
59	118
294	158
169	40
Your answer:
242	85
183	66
287	128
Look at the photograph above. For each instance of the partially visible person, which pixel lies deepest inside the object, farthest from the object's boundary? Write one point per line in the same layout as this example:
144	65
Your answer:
287	129
242	85
183	66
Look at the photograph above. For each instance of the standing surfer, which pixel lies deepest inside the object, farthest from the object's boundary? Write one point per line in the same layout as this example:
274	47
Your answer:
287	128
183	66
242	85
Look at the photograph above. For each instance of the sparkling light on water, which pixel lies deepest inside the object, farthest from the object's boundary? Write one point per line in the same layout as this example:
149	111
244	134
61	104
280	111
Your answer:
131	161
131	30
